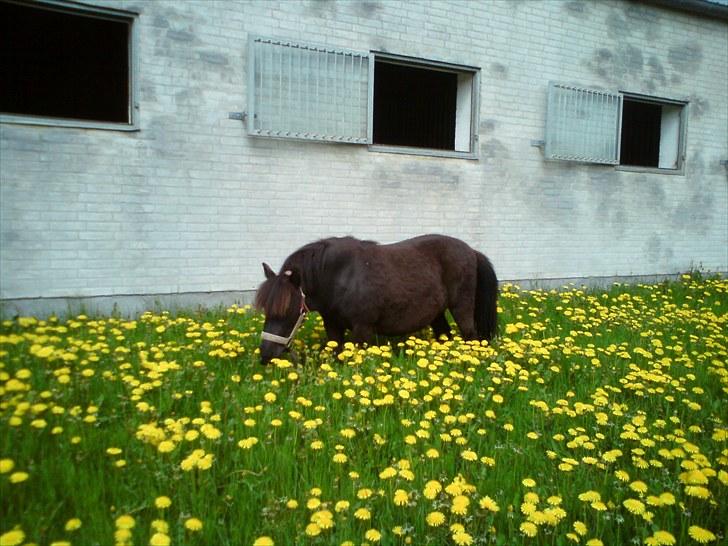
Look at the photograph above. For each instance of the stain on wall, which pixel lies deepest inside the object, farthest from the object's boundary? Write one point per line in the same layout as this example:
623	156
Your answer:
499	71
685	58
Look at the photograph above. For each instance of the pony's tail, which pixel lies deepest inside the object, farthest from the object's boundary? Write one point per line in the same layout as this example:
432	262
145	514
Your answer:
486	299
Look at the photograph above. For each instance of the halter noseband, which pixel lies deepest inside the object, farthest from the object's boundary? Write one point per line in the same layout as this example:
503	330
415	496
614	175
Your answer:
280	340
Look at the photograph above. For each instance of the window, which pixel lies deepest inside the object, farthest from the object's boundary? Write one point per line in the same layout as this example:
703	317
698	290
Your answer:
423	105
628	130
651	133
65	66
392	103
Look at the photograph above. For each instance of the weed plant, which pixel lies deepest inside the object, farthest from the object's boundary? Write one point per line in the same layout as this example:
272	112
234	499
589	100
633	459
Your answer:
598	417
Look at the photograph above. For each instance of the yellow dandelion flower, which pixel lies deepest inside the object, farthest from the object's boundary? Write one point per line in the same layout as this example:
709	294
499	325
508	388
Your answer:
531	498
125	522
363	514
292	504
323	518
401	498
529	482
12	538
18	477
162	502
461	538
638	486
469	455
698	534
160	539
264	541
364	493
697	491
432	489
554	500
160	526
663	538
6	465
193	524
435	519
594	542
667	498
373	535
590	496
341	506
165	446
460	505
313	530
581	528
72	524
387	473
486	503
634	506
528	528
340	458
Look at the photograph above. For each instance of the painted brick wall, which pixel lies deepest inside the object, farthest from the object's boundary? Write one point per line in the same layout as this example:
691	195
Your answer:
190	203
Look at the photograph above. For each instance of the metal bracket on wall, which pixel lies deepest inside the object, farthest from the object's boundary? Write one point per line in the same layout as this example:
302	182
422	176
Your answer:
241	116
724	162
538	143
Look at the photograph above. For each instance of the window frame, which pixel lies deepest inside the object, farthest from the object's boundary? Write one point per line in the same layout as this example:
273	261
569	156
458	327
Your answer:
252	114
682	104
251	117
428	65
682	134
128	16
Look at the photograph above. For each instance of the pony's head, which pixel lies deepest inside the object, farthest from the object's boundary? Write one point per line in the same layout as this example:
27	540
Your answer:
282	301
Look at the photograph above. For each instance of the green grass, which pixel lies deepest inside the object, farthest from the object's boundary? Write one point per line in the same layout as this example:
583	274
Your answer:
104	415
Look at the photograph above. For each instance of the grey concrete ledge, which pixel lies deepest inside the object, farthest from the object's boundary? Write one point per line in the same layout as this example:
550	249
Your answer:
130	305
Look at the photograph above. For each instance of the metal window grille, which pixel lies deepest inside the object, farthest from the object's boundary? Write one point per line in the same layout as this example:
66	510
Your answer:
307	92
583	125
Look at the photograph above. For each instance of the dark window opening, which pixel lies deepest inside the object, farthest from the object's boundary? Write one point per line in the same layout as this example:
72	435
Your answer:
414	107
641	126
63	65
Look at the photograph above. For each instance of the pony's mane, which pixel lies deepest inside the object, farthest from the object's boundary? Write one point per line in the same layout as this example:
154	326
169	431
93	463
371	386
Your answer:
274	297
311	259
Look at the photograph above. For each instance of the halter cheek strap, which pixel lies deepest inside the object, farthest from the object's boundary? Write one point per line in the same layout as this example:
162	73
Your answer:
267	336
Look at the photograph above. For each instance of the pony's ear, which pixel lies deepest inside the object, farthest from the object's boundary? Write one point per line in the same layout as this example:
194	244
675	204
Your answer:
269	274
294	276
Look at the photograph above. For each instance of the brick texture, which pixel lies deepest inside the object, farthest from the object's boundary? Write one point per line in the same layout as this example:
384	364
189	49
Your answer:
191	203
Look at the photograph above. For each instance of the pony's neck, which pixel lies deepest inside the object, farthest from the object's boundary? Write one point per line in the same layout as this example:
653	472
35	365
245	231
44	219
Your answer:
308	261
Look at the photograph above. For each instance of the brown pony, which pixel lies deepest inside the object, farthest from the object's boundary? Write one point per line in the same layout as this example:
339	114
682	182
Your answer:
370	289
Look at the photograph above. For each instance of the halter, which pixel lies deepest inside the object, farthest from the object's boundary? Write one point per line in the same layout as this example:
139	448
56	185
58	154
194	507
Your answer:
266	336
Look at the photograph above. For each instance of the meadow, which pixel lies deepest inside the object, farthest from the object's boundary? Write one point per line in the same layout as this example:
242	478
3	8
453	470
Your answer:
597	417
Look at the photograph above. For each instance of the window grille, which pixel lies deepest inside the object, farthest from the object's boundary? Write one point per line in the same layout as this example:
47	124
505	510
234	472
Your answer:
307	92
583	125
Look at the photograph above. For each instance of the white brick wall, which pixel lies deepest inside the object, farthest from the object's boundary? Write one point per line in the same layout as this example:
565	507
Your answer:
190	203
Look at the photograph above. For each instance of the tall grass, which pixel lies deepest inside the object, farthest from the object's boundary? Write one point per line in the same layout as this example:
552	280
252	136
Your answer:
597	417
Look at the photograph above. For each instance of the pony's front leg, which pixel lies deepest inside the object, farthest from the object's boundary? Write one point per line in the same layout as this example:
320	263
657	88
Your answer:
334	333
362	333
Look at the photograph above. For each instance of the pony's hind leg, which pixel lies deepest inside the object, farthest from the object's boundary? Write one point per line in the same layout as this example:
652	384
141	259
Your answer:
462	312
440	326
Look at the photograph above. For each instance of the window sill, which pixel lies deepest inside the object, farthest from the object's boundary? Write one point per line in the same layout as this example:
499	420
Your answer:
430	152
651	170
68	123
